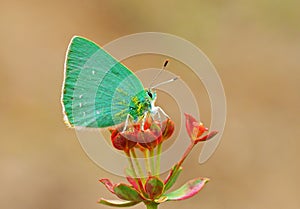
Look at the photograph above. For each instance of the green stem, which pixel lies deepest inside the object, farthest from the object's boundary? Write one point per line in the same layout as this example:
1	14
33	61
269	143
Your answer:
131	164
186	153
152	160
152	205
137	180
146	153
159	150
136	161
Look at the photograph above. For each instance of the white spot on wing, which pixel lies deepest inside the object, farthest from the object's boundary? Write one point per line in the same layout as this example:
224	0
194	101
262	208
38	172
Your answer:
66	118
93	72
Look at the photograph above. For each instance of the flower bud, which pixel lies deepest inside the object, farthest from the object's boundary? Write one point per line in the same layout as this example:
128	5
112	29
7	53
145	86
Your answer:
196	129
150	137
167	129
121	141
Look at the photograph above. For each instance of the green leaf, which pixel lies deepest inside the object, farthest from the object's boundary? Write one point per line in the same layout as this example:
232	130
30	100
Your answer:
127	192
154	187
188	190
117	203
173	175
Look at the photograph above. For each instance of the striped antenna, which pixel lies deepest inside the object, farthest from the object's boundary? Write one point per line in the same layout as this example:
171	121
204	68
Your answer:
158	74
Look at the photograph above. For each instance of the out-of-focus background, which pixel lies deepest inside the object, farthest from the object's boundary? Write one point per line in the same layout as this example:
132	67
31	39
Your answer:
255	46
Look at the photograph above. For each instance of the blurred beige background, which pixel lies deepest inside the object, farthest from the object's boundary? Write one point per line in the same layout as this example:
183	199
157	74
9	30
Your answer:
255	46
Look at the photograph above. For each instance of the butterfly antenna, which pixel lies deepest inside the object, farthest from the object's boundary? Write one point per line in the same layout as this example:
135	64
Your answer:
158	74
165	82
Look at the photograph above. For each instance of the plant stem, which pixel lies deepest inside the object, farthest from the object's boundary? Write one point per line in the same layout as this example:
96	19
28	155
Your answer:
158	155
186	153
152	160
131	164
152	205
136	161
146	153
138	180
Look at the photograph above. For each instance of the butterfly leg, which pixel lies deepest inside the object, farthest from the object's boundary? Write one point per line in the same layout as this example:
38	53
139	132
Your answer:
144	120
159	116
163	112
154	112
128	117
157	110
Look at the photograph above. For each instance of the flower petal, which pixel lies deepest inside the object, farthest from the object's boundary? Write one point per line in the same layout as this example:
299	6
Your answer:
161	199
119	141
154	187
188	190
117	203
167	129
123	141
127	192
133	182
200	129
206	137
147	139
190	124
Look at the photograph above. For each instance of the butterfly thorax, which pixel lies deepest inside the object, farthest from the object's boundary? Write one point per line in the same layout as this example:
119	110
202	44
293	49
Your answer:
141	103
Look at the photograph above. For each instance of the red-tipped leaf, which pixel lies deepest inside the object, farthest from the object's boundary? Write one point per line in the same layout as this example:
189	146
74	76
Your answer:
108	184
126	192
154	187
188	190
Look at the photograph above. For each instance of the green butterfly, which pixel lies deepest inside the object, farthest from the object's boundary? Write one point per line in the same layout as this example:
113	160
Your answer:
98	91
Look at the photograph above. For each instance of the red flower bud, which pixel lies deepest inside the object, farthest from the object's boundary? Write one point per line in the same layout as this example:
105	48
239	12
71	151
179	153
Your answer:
206	137
196	129
153	133
150	137
167	129
123	141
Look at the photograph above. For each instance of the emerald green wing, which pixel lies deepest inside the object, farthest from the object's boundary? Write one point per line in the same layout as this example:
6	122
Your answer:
97	89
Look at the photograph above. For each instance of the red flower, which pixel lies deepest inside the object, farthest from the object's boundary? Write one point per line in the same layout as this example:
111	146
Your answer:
154	132
152	190
151	135
196	129
167	129
121	142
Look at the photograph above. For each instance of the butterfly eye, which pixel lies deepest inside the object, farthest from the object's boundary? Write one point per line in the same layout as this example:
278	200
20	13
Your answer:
150	94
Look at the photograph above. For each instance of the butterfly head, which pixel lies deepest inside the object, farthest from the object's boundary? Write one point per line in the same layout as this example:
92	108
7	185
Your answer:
151	95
